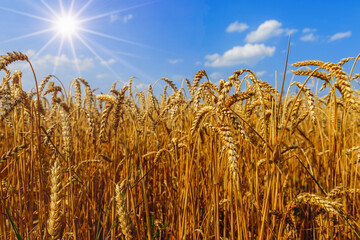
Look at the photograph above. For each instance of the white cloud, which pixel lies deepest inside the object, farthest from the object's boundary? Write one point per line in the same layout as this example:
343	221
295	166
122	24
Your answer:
175	61
114	17
308	38
308	30
237	27
48	61
66	66
128	17
248	54
339	35
197	63
266	30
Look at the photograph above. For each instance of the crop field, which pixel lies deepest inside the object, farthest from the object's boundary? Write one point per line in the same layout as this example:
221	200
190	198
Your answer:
235	159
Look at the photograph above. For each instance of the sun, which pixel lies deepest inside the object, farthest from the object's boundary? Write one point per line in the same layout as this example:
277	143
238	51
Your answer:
66	25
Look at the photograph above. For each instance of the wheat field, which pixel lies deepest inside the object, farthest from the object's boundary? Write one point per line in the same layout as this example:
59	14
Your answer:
236	159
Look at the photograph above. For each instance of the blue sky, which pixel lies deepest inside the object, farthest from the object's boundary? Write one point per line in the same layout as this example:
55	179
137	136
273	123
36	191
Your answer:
119	39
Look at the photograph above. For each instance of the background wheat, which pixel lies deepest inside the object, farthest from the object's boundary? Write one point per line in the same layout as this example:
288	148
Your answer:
222	161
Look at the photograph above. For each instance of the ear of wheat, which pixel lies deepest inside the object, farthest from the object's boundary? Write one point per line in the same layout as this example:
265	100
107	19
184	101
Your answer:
55	221
123	215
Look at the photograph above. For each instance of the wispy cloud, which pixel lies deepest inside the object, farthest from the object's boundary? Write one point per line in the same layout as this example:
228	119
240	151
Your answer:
216	75
175	61
248	54
101	75
237	27
108	62
340	35
178	78
128	17
308	30
308	35
260	73
266	30
141	86
308	38
113	18
125	19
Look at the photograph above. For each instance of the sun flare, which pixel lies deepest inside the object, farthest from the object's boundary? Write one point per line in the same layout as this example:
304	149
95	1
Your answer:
66	25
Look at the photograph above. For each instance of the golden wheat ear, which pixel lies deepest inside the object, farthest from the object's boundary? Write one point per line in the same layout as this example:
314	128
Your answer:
55	224
10	58
12	152
126	225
